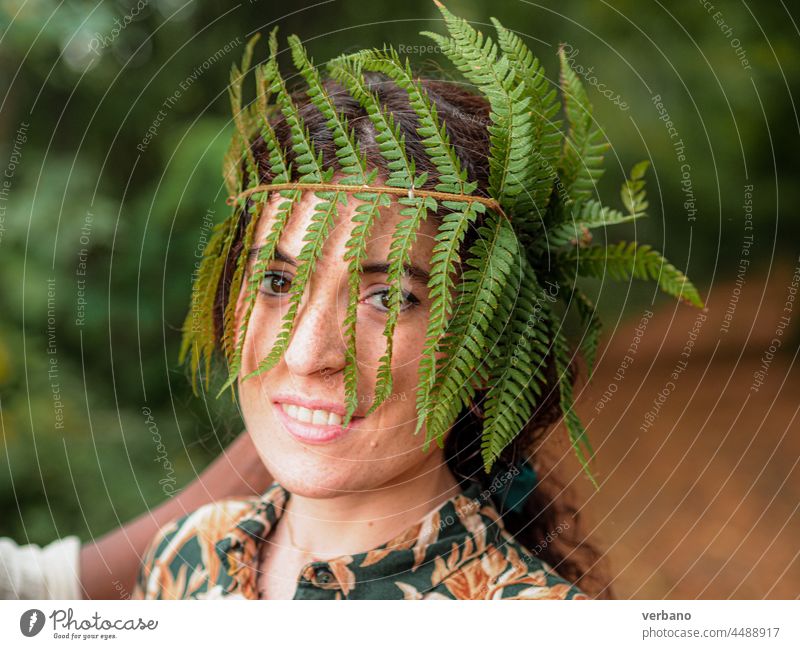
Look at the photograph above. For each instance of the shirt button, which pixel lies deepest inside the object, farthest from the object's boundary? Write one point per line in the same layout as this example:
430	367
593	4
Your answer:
324	576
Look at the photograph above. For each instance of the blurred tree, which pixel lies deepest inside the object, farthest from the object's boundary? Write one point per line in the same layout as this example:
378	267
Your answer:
114	118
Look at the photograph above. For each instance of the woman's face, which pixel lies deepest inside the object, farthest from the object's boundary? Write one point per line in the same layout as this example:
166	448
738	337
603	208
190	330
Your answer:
294	411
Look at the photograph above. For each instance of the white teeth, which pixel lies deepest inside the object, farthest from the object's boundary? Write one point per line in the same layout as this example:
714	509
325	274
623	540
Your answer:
317	417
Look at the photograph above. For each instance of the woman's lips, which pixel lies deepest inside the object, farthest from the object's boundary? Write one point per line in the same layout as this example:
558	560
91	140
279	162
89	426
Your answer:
316	426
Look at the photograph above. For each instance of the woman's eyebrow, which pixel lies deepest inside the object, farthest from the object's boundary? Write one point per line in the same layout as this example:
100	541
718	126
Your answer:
378	268
279	255
415	272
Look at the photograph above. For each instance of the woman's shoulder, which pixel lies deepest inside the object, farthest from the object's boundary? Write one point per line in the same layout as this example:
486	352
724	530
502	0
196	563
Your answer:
210	520
476	557
182	553
505	569
529	577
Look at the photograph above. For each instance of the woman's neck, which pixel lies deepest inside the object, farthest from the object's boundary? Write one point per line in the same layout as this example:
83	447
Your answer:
358	522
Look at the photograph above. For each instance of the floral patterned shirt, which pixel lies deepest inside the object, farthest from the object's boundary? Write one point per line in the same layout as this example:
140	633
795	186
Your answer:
461	550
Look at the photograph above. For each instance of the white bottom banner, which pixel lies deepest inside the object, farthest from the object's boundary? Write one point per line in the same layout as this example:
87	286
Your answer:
625	623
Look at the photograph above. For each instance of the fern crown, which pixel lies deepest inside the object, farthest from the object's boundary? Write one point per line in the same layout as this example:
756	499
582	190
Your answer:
501	335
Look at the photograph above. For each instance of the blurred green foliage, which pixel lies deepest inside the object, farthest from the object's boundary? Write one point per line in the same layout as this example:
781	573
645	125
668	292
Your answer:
83	83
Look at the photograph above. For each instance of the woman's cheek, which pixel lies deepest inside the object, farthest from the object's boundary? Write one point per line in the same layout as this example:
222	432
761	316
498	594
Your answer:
262	332
406	356
239	316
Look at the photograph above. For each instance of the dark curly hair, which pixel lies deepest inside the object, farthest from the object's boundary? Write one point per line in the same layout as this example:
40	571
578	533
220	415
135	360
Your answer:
549	524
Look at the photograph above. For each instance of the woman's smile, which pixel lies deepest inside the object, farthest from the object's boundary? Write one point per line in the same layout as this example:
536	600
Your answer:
315	422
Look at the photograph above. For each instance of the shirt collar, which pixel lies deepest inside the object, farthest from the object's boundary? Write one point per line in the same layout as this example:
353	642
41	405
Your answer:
437	545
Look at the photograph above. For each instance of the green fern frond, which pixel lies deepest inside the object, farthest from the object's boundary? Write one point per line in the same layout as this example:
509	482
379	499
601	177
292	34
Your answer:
511	127
308	161
229	344
232	166
585	144
564	375
444	261
266	252
356	252
518	363
392	147
469	334
590	214
575	231
634	196
244	120
229	316
415	211
281	173
355	170
321	222
243	125
545	106
352	162
623	261
452	178
591	328
390	140
198	327
264	76
309	164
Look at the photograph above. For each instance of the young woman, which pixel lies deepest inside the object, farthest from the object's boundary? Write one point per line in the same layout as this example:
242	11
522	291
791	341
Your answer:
364	512
301	294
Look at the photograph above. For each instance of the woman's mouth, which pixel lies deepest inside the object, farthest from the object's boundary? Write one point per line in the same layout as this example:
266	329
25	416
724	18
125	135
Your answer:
315	425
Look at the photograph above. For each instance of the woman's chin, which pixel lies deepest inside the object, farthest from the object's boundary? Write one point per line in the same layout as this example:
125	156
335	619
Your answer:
344	467
318	484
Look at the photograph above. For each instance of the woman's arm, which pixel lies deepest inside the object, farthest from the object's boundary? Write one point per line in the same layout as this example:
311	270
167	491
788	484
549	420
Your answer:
108	567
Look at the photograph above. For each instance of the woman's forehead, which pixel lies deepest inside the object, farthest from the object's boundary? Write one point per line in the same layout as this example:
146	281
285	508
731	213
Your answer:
380	237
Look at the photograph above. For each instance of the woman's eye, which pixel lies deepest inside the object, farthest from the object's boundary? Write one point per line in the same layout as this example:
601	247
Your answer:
382	301
275	283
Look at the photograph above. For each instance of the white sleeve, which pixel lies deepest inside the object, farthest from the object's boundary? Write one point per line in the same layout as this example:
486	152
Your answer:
32	572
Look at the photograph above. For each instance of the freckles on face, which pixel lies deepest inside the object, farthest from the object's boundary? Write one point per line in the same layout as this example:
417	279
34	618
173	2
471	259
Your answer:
293	411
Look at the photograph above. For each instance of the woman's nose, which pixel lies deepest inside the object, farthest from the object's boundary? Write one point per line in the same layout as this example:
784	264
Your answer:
317	342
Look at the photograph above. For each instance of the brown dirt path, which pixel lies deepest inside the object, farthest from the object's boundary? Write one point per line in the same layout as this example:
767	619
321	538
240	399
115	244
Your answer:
705	501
